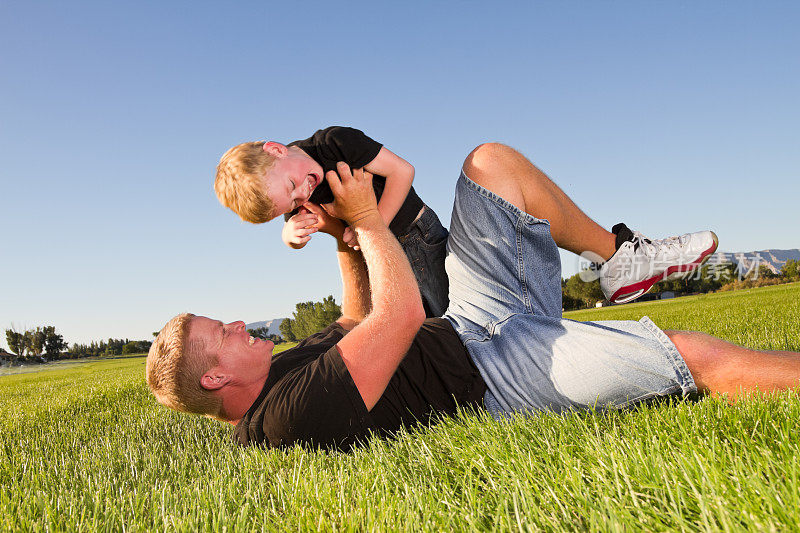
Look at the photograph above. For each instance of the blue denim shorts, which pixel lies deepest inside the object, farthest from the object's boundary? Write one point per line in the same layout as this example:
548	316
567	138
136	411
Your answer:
505	304
425	245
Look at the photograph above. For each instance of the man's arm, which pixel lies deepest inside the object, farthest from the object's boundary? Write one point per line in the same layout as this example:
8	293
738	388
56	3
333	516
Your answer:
356	299
373	349
399	175
355	280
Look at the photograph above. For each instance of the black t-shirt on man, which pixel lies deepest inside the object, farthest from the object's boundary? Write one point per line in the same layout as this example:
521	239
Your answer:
309	396
339	143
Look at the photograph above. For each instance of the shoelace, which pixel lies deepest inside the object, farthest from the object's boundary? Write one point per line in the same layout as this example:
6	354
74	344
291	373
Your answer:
651	247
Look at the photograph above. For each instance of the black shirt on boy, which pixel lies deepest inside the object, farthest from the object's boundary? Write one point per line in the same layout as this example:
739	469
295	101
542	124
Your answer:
309	396
340	143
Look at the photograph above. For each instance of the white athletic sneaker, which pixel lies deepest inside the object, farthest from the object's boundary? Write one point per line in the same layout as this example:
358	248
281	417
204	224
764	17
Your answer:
639	262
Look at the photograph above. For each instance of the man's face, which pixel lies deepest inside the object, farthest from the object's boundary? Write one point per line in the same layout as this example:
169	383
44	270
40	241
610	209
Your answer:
247	359
291	180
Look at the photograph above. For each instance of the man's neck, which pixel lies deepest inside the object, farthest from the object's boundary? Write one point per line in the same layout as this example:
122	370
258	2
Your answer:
239	399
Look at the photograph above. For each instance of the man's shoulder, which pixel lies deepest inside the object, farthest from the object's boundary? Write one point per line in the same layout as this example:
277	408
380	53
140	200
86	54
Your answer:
312	400
332	332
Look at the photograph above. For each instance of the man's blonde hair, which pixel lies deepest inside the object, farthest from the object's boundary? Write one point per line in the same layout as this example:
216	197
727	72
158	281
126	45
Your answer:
240	182
174	368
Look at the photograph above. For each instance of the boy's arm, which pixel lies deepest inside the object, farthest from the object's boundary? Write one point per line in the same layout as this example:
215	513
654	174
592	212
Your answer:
399	174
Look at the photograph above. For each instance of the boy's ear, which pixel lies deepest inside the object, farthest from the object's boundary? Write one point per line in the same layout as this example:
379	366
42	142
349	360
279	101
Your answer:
214	380
275	149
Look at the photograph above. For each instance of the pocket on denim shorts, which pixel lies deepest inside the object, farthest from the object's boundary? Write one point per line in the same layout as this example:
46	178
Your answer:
434	238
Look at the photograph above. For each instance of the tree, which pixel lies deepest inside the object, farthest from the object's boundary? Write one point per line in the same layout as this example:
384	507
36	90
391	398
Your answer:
27	341
114	346
132	347
259	333
286	330
578	293
311	317
36	343
765	272
304	311
264	334
791	270
15	342
53	342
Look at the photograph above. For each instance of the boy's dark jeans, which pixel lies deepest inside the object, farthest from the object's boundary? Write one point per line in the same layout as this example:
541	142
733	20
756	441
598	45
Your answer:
425	245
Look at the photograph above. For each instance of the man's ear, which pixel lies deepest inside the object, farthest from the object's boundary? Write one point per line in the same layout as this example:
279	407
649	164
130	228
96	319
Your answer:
275	149
214	380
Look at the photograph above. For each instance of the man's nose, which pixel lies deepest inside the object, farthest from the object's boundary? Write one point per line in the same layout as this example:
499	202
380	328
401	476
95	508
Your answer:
238	324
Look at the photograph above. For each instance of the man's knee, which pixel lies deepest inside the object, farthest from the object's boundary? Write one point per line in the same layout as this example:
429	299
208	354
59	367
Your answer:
487	158
492	166
704	354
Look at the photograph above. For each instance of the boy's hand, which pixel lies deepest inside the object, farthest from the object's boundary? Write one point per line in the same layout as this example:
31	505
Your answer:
350	239
298	229
354	198
325	222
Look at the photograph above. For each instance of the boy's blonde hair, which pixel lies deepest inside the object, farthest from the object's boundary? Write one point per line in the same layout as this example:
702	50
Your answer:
174	368
240	182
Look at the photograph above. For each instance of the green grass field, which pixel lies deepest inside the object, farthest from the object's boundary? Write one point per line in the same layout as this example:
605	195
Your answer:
88	448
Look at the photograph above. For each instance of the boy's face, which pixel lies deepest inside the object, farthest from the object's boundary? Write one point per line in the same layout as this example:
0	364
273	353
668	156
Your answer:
292	177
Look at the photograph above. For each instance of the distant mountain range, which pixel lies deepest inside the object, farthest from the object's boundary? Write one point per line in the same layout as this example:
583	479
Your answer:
772	259
273	326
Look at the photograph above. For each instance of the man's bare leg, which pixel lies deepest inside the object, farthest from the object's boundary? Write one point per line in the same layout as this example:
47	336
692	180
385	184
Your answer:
507	173
625	273
720	367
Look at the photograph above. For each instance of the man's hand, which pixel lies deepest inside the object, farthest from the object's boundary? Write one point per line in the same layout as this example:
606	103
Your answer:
298	229
354	197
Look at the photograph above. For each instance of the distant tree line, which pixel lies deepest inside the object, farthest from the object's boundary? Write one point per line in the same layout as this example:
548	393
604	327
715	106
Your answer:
109	347
764	276
578	294
730	276
264	334
43	344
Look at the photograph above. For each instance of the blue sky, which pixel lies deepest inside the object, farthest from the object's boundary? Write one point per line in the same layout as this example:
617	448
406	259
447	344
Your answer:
670	116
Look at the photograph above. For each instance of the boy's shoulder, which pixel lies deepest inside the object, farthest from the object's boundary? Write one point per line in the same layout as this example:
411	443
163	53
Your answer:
333	136
339	143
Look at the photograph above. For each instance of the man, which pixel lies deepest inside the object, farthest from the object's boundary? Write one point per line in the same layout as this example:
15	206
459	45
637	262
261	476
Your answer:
502	343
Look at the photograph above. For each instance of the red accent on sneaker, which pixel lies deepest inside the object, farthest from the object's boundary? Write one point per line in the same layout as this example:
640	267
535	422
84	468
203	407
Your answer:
647	284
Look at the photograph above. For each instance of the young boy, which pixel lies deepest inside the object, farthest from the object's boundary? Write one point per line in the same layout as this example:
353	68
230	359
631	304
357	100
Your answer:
259	181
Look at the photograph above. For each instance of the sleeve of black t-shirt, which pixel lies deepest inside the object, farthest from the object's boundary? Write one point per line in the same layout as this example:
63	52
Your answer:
341	143
318	405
